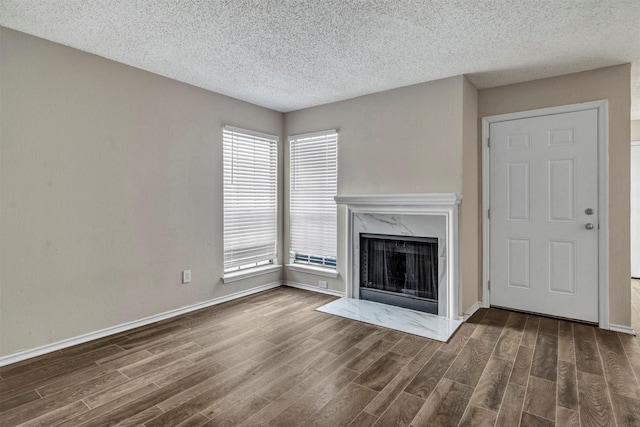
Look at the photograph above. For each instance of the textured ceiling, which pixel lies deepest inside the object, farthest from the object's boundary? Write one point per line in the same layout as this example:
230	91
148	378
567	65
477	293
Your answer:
287	54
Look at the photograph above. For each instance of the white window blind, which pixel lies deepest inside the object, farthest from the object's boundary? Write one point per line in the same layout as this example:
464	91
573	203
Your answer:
313	212
250	198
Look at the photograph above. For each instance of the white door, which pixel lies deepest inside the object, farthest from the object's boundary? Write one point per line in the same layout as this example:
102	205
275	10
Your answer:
543	214
635	209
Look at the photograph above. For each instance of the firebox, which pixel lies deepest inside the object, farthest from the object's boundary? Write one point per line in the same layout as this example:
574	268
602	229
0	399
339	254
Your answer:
400	271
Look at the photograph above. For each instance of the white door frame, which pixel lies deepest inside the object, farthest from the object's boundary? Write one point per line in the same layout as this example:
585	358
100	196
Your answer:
633	144
603	196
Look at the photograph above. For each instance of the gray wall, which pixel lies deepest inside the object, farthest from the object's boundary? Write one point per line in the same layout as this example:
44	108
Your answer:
111	185
111	180
635	130
406	140
426	138
635	200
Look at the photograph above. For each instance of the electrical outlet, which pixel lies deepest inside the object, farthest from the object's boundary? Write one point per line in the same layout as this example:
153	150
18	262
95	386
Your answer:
186	276
322	284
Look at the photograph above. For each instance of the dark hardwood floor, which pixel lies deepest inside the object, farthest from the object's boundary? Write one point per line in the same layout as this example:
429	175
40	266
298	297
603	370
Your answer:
270	359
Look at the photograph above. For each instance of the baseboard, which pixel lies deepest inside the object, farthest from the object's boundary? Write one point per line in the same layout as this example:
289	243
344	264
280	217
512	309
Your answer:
475	307
312	288
623	329
27	354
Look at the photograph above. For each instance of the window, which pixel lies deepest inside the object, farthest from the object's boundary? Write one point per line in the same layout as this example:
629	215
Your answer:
314	182
250	198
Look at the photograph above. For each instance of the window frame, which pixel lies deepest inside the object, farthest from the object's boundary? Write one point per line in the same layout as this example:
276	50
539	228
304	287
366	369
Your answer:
245	143
299	258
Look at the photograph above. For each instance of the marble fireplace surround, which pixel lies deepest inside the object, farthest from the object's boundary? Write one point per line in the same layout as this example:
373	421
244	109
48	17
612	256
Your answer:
419	214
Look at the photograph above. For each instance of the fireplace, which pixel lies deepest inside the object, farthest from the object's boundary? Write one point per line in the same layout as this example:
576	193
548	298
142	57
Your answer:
416	220
400	271
401	250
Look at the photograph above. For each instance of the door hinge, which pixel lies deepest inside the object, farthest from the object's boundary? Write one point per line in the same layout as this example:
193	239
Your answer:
488	213
488	142
489	284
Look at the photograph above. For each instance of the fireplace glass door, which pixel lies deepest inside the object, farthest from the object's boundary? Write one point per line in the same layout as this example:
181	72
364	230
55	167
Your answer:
400	270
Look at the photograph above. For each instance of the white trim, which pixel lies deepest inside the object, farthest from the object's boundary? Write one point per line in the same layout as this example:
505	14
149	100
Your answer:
312	288
603	195
486	301
634	143
38	351
475	307
603	211
309	269
234	276
405	200
312	134
250	132
622	329
444	204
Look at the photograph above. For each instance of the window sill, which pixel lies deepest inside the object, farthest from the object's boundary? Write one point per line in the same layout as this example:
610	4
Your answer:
249	272
319	271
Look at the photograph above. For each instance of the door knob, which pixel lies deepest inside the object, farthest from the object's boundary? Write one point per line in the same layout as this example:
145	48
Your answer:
589	226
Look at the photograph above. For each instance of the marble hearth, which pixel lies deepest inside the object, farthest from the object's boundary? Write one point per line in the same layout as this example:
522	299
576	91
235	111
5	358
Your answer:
432	215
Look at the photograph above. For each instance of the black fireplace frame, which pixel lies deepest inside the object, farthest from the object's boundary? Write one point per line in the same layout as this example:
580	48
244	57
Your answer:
405	300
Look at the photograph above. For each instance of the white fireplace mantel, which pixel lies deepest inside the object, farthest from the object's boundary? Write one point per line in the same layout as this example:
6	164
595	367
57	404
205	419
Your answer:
440	204
412	200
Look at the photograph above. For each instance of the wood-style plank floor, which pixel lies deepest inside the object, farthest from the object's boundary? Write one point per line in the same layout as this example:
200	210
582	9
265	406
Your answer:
270	359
